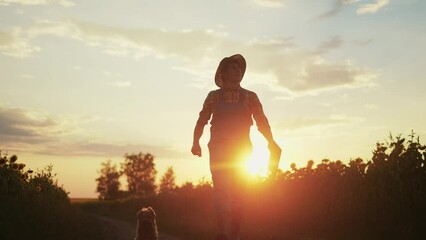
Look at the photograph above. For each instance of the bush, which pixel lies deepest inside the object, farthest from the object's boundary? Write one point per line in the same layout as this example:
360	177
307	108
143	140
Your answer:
33	206
382	198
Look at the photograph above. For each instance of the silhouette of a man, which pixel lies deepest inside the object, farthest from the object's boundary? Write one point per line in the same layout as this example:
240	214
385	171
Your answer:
231	108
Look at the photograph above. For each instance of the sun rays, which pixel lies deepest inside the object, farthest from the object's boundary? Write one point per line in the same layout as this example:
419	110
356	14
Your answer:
257	163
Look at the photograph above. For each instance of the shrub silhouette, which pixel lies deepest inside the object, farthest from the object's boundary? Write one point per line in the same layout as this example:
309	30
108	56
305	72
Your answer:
108	184
167	181
380	198
33	206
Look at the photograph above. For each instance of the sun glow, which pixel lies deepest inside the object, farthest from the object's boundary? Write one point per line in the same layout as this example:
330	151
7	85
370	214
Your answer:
257	164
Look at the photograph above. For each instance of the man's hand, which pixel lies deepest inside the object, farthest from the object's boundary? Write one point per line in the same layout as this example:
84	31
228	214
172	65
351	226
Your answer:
196	149
274	157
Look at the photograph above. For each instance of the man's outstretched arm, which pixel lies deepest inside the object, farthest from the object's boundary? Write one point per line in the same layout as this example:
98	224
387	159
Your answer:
204	117
198	132
267	133
261	120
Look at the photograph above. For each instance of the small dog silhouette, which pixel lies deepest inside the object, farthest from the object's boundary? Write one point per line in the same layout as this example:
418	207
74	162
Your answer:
146	227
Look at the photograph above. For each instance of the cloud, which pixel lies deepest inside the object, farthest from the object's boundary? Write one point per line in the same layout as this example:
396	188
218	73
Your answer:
121	84
270	3
371	106
338	6
11	44
307	71
363	42
65	3
130	42
27	76
19	11
333	42
287	68
19	126
372	7
41	134
105	149
308	122
116	83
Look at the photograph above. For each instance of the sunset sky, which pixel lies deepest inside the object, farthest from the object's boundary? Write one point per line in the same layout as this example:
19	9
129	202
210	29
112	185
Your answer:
87	81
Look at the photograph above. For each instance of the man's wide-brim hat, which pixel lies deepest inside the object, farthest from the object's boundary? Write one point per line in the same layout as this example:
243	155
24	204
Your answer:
234	58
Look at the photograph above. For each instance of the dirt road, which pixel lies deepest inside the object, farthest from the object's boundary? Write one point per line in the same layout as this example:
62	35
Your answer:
114	229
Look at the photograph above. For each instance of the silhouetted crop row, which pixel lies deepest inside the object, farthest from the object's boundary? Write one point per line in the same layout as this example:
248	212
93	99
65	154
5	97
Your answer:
381	198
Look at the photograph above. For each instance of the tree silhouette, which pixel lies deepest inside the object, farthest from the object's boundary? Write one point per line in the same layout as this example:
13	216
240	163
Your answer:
140	172
381	197
167	183
108	184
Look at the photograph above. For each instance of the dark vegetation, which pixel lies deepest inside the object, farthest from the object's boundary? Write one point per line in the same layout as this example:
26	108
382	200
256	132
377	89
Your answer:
139	170
381	198
33	206
185	212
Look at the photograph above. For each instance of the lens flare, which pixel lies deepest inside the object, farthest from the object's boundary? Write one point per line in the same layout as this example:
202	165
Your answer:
257	163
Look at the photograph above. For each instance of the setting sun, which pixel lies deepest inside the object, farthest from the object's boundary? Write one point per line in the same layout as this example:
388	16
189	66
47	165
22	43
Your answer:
257	164
324	92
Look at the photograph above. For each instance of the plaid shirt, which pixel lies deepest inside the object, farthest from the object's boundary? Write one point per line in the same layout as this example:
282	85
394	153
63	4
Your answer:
233	96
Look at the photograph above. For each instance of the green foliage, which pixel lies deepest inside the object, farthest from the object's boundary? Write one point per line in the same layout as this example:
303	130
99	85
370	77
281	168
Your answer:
33	206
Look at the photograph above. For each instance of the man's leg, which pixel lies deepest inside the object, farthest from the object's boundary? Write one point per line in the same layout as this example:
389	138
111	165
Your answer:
236	218
237	206
222	202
